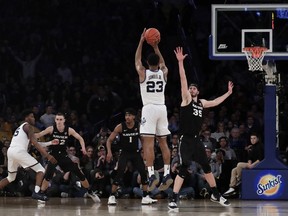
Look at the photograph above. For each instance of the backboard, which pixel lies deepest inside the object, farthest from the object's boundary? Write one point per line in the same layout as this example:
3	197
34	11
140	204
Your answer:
243	25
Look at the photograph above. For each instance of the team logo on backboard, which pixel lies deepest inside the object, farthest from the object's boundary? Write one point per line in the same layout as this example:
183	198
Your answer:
222	46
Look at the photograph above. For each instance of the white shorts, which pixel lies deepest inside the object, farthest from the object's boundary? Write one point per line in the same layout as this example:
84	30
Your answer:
154	120
19	157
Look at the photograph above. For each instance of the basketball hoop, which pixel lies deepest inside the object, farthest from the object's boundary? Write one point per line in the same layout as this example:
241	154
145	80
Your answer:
255	56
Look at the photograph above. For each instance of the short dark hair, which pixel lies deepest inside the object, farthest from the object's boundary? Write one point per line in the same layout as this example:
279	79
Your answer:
26	113
61	114
194	84
153	59
130	111
254	133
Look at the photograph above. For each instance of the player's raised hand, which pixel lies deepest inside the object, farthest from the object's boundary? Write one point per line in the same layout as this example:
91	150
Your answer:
179	54
230	87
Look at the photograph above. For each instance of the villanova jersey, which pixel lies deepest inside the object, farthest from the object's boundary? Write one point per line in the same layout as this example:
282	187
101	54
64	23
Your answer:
191	118
129	138
20	138
62	137
153	87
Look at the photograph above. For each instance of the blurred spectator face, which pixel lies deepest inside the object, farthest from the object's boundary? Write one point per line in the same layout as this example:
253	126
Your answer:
235	133
254	139
204	126
4	150
90	152
220	126
222	142
6	143
219	156
175	139
174	152
49	109
242	128
206	134
72	151
101	151
103	132
208	152
250	120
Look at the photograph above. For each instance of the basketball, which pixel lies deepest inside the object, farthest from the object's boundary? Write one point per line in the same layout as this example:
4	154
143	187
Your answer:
151	35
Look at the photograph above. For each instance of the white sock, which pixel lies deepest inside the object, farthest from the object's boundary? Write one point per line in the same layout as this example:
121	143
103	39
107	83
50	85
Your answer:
166	169
37	188
151	171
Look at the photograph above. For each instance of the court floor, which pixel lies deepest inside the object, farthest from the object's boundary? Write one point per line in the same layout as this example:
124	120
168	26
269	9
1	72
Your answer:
26	206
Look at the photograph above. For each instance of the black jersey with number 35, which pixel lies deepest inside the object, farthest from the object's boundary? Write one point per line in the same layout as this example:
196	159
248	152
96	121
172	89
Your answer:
191	118
129	137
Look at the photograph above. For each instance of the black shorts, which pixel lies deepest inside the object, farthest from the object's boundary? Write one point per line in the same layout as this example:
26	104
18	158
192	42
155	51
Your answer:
192	149
65	163
137	161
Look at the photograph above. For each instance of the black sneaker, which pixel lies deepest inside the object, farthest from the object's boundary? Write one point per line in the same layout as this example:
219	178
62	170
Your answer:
39	196
172	204
166	182
153	182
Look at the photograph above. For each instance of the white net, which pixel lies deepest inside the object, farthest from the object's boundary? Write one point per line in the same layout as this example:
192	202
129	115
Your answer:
255	56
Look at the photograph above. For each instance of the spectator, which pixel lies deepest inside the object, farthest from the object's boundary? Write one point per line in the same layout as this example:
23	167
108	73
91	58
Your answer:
255	155
220	131
48	118
207	140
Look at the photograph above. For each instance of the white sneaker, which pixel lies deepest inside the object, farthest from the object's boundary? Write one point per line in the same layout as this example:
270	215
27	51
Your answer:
148	200
64	195
172	205
94	197
231	190
112	200
222	201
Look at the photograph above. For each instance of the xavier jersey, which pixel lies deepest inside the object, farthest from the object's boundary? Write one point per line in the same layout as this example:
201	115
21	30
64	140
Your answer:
20	138
129	138
153	87
62	137
191	118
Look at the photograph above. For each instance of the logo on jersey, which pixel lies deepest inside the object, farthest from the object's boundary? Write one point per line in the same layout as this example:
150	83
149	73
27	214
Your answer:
143	121
269	185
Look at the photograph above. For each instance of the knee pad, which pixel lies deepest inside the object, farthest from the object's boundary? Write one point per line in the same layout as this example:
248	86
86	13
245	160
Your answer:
11	177
38	168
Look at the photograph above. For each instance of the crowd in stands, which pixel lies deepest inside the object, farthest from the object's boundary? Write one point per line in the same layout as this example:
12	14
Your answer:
77	57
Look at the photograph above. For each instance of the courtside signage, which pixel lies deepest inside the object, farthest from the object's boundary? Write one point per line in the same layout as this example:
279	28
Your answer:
269	185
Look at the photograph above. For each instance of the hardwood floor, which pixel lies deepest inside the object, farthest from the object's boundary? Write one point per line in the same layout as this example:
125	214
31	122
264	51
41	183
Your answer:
25	206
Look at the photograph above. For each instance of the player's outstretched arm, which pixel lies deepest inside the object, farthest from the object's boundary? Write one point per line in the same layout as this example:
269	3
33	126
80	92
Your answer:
138	58
77	136
186	97
217	101
30	132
